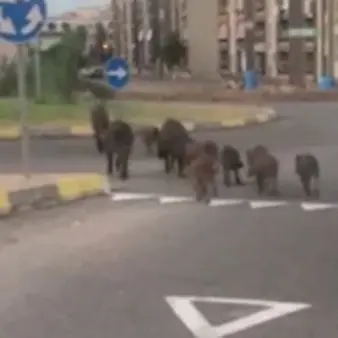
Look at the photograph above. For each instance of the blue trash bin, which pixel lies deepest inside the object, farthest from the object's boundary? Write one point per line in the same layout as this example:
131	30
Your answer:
326	83
250	80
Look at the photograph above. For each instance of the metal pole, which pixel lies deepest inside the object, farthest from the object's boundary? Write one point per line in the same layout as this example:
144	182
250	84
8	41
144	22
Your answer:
161	15
320	39
232	36
37	69
22	98
146	30
129	29
122	26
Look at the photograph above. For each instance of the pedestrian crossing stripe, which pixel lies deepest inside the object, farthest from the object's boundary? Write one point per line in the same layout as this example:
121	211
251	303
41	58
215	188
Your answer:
219	202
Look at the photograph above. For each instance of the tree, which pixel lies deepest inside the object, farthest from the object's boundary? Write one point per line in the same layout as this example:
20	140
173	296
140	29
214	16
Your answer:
8	79
98	49
66	27
68	60
82	34
173	51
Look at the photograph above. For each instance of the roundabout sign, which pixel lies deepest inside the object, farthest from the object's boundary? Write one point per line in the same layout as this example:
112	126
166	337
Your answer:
21	20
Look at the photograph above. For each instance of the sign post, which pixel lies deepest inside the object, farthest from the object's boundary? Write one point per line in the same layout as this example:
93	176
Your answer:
117	73
20	22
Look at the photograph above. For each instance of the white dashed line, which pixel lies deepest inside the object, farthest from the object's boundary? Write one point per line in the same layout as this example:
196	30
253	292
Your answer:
218	202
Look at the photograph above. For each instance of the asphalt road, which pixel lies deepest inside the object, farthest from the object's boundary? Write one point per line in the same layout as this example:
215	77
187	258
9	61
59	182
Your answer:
99	269
302	127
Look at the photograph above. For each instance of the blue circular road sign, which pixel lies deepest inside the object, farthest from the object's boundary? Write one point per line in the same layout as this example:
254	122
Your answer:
21	20
117	72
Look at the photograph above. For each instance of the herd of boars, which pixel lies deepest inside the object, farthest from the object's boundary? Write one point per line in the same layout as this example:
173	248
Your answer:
201	161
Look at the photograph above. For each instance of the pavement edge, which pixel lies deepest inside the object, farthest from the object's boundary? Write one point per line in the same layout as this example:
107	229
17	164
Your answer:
78	131
68	188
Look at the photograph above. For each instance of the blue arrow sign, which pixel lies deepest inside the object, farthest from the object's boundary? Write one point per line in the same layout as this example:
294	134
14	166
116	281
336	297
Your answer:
117	72
21	20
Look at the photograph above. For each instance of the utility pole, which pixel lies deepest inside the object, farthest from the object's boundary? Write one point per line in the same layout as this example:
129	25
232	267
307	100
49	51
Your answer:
232	29
129	33
146	31
320	39
37	62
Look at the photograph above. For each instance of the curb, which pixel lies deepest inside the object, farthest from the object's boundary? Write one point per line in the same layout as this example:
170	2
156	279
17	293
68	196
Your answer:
85	131
67	189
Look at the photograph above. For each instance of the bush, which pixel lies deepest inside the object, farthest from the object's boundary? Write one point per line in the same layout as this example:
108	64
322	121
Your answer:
59	69
8	78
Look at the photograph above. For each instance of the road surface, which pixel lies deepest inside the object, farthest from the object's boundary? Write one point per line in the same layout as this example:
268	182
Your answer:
301	128
102	269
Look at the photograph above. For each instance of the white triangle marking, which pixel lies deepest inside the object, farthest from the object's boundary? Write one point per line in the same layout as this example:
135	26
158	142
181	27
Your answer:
318	206
267	204
219	202
199	326
175	199
130	197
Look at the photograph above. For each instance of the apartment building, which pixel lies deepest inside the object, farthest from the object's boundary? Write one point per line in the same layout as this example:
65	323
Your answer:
232	21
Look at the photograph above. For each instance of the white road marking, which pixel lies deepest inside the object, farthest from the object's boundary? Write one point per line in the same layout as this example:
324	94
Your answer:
175	199
199	326
131	197
218	202
318	206
224	202
267	204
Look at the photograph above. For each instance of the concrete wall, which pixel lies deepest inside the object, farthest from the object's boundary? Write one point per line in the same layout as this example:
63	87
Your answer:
203	45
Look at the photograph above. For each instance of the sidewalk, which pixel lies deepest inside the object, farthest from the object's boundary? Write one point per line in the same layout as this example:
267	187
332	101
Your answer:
44	190
218	92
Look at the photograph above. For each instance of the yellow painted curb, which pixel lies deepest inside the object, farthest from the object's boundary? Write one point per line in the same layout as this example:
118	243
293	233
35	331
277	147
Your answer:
10	132
73	187
84	130
5	205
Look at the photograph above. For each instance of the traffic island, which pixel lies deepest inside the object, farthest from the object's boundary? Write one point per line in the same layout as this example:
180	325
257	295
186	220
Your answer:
47	190
72	120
